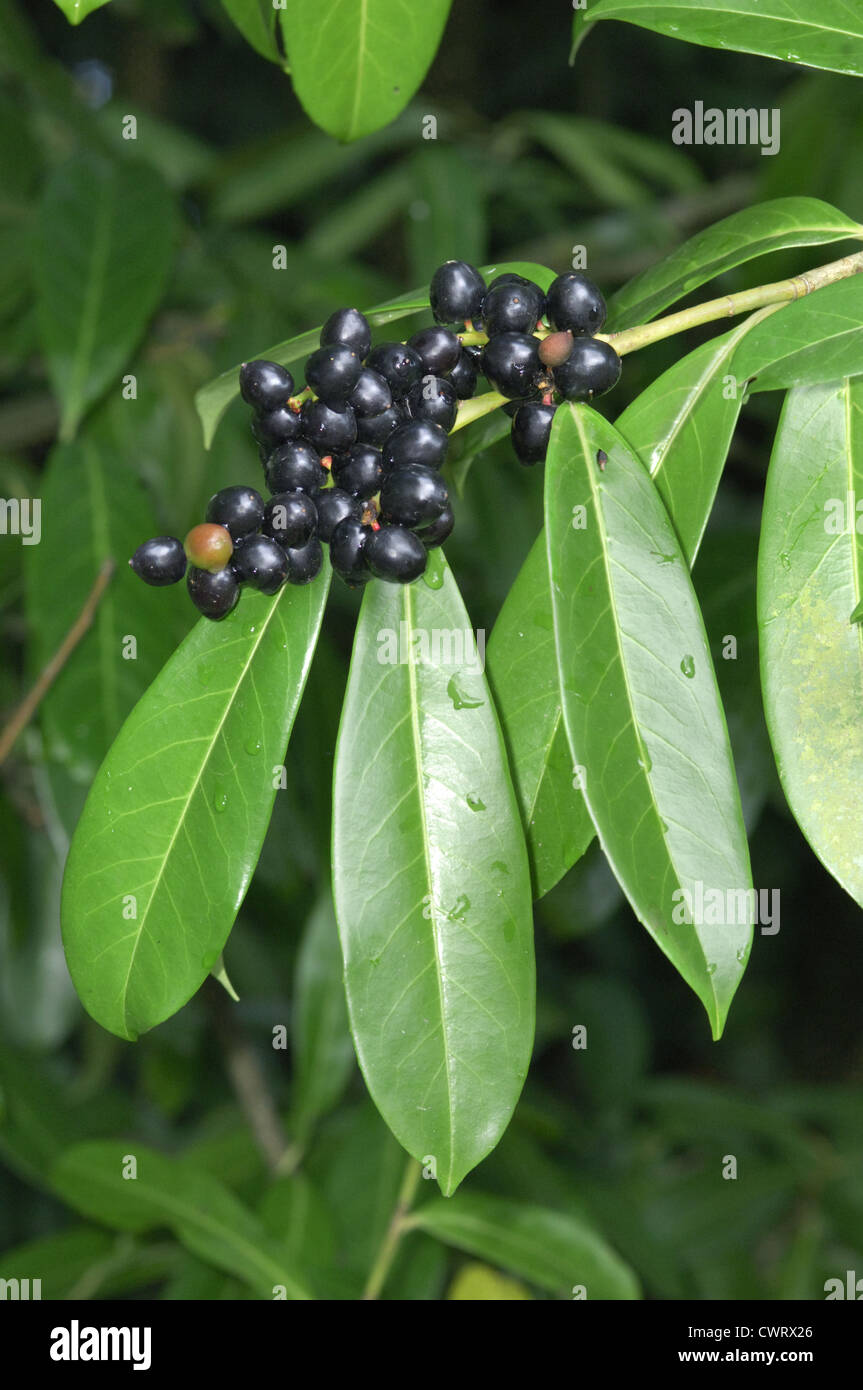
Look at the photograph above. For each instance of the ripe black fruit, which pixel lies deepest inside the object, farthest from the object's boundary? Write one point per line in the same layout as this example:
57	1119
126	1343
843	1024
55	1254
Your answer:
333	372
334	505
276	427
511	363
261	562
304	562
291	518
413	497
160	561
591	369
463	376
376	429
433	399
573	302
360	471
371	394
214	595
265	385
395	554
398	364
348	326
531	427
438	531
330	431
456	292
416	442
295	467
438	348
239	509
513	308
347	552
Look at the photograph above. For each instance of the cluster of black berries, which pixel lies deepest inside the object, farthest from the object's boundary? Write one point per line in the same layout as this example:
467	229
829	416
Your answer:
354	460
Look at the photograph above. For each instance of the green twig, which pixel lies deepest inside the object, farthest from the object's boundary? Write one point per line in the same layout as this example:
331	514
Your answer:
394	1232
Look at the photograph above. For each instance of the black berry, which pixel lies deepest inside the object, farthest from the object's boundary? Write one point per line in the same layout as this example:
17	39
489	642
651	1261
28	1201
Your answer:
261	562
395	554
304	562
398	364
513	308
265	385
433	399
531	427
239	509
413	497
334	505
160	561
348	326
511	363
333	372
438	531
276	427
463	376
347	551
456	292
376	429
371	394
416	442
331	431
591	369
360	471
573	302
291	518
295	467
214	595
439	349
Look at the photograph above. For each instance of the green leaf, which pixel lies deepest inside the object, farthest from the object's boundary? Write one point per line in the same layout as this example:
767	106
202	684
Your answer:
816	339
322	1049
447	208
103	252
96	1180
736	239
77	10
174	822
552	1249
213	399
827	35
86	495
810	581
641	708
355	66
479	1283
522	670
257	21
431	881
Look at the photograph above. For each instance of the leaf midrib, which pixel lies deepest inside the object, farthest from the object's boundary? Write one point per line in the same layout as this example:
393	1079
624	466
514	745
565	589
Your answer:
679	6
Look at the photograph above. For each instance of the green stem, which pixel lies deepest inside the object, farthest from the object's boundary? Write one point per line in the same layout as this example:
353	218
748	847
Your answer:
476	407
394	1232
729	305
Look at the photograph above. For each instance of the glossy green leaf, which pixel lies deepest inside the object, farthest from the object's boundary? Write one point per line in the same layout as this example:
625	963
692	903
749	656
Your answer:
174	821
103	252
641	707
522	670
431	881
214	398
554	1250
356	64
322	1050
479	1283
816	339
77	10
85	494
810	580
97	1180
257	21
827	35
741	237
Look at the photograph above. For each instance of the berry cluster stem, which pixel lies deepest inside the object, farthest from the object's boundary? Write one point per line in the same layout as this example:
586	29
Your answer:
395	1230
476	407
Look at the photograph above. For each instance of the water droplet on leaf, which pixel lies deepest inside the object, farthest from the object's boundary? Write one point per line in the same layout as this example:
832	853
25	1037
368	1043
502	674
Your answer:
687	666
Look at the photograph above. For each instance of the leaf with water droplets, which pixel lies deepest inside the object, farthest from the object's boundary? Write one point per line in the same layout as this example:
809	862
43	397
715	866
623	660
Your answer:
641	708
431	881
174	822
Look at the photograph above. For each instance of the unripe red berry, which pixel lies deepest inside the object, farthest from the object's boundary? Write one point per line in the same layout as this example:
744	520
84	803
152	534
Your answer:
554	350
209	547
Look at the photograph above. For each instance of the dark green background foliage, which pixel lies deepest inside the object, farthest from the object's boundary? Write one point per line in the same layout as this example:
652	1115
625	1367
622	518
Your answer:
620	1146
